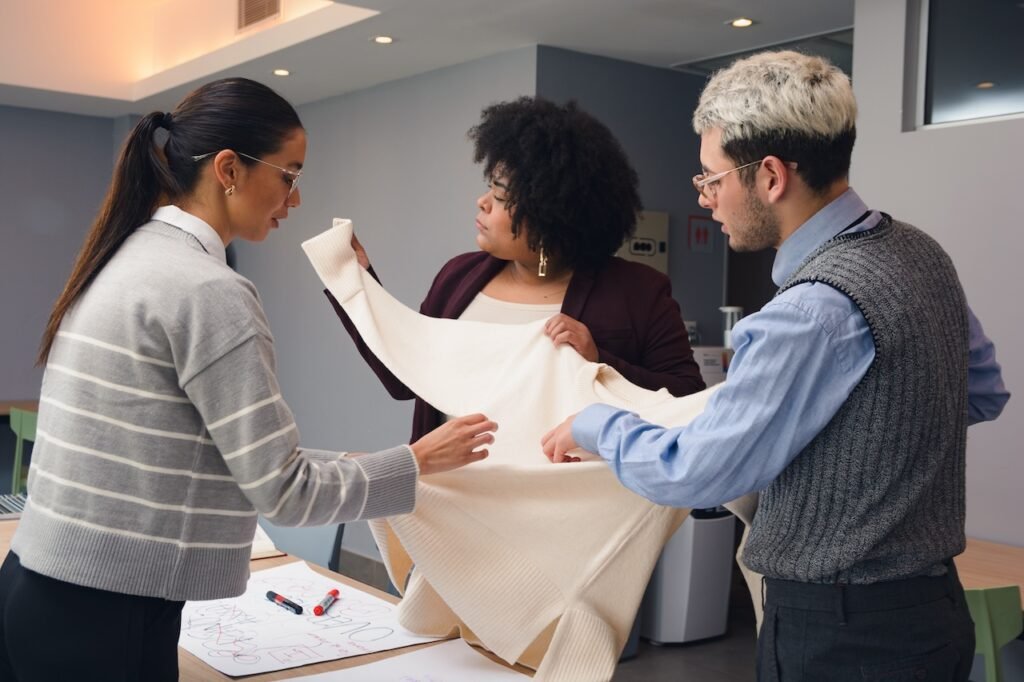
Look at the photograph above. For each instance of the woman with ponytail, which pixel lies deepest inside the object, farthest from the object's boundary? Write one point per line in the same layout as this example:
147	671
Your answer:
162	433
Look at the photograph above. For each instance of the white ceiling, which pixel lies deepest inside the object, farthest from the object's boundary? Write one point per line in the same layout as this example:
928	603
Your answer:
115	57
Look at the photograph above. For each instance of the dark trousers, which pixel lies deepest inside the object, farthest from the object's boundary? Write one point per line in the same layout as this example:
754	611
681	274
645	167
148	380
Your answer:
913	629
51	631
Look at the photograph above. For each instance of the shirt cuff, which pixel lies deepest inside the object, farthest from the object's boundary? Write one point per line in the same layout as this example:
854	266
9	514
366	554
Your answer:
390	481
588	424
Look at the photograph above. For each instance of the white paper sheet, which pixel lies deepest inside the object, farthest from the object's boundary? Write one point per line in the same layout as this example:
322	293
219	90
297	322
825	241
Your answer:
250	634
453	661
262	546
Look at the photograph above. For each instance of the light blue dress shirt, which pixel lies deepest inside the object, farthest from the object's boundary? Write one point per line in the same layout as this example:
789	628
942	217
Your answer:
796	361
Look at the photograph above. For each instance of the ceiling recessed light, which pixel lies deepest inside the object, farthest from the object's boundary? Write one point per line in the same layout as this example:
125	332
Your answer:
985	85
281	72
740	22
383	40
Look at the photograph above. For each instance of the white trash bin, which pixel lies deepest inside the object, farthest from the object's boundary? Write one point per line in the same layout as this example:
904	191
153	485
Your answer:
687	598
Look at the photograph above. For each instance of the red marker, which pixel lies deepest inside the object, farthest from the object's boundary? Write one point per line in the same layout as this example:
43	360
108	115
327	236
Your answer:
284	602
325	603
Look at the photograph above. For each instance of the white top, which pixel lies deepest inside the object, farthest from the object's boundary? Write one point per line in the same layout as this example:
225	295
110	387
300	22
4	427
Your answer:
484	308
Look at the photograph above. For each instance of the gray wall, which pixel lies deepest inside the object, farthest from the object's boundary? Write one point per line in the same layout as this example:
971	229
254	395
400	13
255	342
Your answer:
960	183
54	173
649	111
395	159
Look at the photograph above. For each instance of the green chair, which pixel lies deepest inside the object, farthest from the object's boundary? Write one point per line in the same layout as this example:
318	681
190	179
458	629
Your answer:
996	612
23	423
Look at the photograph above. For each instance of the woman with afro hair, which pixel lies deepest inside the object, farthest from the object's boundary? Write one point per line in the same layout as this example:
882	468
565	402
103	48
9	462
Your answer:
561	199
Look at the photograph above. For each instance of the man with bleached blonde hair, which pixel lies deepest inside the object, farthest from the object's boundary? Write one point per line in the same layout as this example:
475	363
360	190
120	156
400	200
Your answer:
847	401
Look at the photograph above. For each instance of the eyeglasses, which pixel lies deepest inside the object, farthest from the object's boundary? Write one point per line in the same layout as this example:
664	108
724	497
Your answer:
707	185
293	175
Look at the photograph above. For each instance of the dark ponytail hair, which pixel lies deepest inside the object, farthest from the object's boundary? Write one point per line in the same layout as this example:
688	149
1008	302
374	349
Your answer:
231	113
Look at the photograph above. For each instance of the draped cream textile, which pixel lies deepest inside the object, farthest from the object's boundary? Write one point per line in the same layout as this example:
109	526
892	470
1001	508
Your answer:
542	564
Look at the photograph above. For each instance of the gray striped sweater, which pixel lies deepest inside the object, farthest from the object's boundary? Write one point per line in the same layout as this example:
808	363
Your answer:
162	434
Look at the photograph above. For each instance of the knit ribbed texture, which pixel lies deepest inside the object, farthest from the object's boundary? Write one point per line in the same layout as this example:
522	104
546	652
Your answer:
569	661
879	493
542	564
162	434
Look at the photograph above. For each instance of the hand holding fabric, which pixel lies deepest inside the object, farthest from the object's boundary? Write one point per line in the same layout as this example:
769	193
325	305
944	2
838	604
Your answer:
361	256
565	330
558	442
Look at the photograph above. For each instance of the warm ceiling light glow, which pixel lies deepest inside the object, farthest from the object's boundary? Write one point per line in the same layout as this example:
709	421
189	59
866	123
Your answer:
985	85
383	40
281	72
740	22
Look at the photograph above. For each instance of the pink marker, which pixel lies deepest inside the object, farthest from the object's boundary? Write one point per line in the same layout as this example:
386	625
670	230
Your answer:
325	603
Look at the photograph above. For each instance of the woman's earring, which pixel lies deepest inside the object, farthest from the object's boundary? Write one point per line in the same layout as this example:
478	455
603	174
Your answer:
229	191
542	265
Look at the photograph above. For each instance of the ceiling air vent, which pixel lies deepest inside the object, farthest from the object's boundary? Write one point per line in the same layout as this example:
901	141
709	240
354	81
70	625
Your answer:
254	11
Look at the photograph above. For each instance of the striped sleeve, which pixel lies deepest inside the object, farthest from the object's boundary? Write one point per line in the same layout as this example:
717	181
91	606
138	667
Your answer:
254	432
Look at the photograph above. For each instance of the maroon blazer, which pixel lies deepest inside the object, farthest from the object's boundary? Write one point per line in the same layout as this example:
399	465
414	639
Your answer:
628	308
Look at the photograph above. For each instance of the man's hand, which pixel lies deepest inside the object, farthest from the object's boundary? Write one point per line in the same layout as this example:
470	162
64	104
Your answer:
558	442
564	330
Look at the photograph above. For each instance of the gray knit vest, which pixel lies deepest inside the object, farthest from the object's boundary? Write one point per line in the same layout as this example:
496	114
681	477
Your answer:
878	494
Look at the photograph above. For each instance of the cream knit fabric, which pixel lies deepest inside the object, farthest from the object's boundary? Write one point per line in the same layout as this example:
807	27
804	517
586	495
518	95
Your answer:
542	564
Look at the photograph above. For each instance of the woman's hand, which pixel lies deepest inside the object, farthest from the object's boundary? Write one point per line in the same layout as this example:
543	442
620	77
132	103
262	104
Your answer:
558	442
564	330
454	444
361	256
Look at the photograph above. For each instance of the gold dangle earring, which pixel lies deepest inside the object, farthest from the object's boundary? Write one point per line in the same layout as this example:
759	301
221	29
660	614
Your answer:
229	191
542	265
